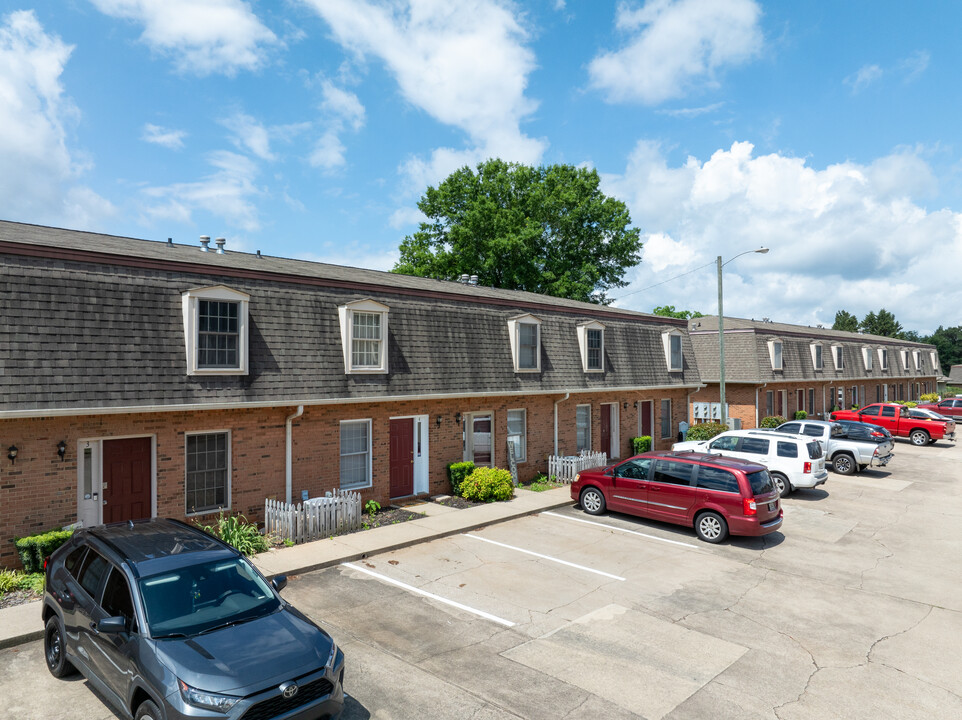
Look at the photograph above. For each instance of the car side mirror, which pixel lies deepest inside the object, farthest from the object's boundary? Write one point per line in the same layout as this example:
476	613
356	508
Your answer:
279	583
113	625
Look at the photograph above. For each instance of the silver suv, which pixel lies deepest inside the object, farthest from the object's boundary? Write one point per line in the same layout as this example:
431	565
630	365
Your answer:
793	461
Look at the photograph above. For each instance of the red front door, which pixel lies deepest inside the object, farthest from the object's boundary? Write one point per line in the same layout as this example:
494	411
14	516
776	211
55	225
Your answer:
606	429
126	488
402	457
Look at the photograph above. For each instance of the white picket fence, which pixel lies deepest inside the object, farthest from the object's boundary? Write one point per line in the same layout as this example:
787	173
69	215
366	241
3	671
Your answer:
565	467
315	518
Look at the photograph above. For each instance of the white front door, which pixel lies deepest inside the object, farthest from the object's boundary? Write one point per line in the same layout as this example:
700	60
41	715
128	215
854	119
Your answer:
89	481
421	456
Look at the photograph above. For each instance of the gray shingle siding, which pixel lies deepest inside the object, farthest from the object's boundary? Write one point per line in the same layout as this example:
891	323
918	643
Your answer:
80	335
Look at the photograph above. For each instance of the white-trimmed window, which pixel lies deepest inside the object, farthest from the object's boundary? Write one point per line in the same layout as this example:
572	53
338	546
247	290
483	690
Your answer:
517	433
917	356
671	343
817	361
583	425
215	330
934	357
867	358
355	454
666	418
591	343
883	358
905	359
207	475
838	359
364	336
775	354
524	333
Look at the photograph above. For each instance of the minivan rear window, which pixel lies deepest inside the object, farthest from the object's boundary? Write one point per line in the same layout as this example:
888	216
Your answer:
814	450
787	449
761	482
711	478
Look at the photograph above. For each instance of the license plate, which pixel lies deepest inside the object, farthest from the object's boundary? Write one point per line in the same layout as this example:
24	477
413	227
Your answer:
772	506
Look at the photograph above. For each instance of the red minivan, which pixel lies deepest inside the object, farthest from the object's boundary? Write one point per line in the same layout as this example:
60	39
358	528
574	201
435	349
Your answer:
716	495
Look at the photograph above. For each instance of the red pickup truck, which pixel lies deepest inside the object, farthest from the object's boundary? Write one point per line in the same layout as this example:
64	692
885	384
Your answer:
901	421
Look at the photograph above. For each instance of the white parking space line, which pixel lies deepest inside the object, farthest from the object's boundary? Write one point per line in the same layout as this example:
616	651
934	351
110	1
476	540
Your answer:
425	593
545	557
630	532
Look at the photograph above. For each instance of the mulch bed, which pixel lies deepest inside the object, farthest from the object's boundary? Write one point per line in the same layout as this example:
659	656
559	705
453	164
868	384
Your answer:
455	502
18	597
392	516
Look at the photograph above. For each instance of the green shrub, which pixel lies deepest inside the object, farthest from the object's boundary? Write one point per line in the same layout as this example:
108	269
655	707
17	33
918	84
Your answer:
800	414
641	444
929	397
488	484
457	471
772	421
704	431
34	549
236	530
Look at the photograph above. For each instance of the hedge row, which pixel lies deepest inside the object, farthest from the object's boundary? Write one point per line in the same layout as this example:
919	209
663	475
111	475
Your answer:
33	550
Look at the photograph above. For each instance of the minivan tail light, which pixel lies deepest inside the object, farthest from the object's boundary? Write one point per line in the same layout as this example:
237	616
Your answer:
749	507
807	468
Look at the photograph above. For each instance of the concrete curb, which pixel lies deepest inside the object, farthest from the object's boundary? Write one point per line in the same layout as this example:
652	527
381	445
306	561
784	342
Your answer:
21	623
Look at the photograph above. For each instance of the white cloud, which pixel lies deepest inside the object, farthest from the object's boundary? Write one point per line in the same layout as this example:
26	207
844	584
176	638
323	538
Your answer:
227	193
201	37
675	46
464	64
249	135
863	77
687	113
849	236
406	217
915	64
355	255
341	109
34	113
172	139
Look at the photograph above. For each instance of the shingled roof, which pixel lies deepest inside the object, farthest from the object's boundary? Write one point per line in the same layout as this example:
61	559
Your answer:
95	323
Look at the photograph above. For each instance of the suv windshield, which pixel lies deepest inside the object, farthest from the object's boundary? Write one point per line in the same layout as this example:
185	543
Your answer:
761	482
202	597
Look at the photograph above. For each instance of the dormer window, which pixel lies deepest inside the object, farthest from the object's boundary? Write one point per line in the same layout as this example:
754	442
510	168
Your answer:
883	359
671	342
934	357
867	358
364	336
837	357
215	330
775	354
817	361
524	333
918	359
591	343
905	359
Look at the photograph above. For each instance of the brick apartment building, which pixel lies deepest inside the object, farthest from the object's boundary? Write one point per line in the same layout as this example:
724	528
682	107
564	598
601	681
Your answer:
777	369
142	378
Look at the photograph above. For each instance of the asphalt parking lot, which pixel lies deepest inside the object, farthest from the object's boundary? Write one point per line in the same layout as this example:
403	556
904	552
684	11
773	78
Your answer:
853	611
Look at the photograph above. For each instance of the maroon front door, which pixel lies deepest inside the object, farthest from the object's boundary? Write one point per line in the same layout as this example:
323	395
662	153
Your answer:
126	488
402	457
645	410
606	429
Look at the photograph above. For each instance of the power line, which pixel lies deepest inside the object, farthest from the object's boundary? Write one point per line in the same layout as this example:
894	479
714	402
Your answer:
700	267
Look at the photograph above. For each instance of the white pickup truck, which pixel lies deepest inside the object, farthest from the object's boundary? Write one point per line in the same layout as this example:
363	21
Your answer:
843	453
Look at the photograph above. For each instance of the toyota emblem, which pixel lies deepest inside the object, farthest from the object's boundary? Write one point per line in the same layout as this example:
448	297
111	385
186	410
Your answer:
288	689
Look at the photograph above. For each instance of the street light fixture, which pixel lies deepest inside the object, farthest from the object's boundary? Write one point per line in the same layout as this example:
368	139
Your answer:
721	331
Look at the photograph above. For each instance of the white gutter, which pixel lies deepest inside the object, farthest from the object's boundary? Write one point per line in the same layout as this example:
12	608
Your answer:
567	395
198	407
289	452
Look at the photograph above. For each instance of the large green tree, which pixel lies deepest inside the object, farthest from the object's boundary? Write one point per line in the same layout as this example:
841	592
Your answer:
883	324
948	341
542	229
669	311
844	320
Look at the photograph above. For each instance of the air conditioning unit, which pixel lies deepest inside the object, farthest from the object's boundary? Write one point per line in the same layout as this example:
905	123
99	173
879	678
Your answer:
734	423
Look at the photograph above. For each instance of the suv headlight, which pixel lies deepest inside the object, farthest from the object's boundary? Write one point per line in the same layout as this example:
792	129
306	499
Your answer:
206	700
333	657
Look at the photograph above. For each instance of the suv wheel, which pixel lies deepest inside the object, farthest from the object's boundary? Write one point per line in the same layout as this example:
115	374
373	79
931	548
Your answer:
592	501
55	649
919	438
781	484
843	464
148	711
711	527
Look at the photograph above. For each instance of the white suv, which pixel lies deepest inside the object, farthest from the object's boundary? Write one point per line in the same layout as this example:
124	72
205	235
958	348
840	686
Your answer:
793	461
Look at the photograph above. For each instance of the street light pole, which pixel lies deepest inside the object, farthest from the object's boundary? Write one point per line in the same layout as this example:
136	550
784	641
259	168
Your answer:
721	332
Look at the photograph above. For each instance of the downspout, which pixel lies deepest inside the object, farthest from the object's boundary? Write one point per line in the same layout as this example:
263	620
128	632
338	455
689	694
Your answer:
567	395
764	385
289	452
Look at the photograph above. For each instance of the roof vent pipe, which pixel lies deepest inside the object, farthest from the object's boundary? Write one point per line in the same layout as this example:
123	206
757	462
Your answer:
464	279
473	280
205	243
220	242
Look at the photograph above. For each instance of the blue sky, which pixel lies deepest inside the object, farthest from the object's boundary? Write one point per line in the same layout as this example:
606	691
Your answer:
825	131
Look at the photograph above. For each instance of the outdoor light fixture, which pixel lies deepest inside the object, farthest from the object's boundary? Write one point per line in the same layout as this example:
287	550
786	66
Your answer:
457	418
61	449
636	404
721	332
437	422
12	453
624	405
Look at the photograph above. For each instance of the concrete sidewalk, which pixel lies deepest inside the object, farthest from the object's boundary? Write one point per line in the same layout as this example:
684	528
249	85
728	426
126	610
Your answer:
21	623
